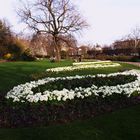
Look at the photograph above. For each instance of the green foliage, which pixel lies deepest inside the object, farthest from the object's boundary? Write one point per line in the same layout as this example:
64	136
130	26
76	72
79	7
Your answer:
17	48
63	54
8	56
20	51
118	58
5	33
5	38
86	82
11	48
97	128
118	125
14	73
27	56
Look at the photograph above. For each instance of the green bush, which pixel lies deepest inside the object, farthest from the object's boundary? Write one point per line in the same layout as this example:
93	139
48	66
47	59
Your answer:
63	54
20	51
16	48
43	114
121	58
118	58
26	56
8	56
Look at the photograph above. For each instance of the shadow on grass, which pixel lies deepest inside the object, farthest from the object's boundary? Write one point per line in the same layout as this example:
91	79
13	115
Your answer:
119	125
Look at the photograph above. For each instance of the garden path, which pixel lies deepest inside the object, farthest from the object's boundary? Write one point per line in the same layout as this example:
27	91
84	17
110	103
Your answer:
1	61
134	63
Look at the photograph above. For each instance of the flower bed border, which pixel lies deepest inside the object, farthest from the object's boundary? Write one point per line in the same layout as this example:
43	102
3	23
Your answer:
16	114
24	92
85	65
89	63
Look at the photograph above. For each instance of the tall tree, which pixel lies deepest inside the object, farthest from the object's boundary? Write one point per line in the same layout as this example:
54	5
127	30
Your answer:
133	39
5	37
53	17
135	35
40	44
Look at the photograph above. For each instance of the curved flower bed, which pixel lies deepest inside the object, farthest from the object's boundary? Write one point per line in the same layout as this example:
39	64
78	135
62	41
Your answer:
85	65
90	63
84	82
24	92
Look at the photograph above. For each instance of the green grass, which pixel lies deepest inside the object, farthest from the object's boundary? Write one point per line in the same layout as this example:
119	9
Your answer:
119	125
14	73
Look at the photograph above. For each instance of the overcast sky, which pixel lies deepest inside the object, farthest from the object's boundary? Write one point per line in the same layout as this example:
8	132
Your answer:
109	19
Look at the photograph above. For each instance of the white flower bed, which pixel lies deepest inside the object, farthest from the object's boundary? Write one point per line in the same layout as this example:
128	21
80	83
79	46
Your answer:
24	92
90	63
84	65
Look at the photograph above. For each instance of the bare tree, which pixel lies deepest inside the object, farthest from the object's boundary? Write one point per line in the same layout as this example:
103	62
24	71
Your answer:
135	36
6	37
54	17
69	40
40	44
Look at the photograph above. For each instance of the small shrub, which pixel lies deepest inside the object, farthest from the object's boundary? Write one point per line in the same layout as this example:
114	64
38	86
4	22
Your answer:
44	114
20	51
16	48
63	54
52	59
8	56
118	58
26	56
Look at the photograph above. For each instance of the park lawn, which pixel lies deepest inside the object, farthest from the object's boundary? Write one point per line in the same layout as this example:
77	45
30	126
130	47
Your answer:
119	125
15	73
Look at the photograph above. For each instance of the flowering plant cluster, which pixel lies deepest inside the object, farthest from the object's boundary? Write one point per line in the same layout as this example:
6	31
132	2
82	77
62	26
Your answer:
24	92
90	63
84	65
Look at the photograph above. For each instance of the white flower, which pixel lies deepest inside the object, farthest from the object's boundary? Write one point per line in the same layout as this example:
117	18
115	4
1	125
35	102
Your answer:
23	92
84	65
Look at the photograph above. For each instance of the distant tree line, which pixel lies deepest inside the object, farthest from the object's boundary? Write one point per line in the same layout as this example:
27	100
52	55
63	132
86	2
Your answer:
39	45
55	19
125	49
42	45
54	24
12	47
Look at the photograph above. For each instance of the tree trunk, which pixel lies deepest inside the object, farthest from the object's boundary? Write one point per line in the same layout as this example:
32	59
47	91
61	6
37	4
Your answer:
57	49
137	47
57	53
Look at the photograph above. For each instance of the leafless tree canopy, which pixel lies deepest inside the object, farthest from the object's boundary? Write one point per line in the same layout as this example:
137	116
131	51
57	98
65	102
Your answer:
135	36
43	45
54	17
